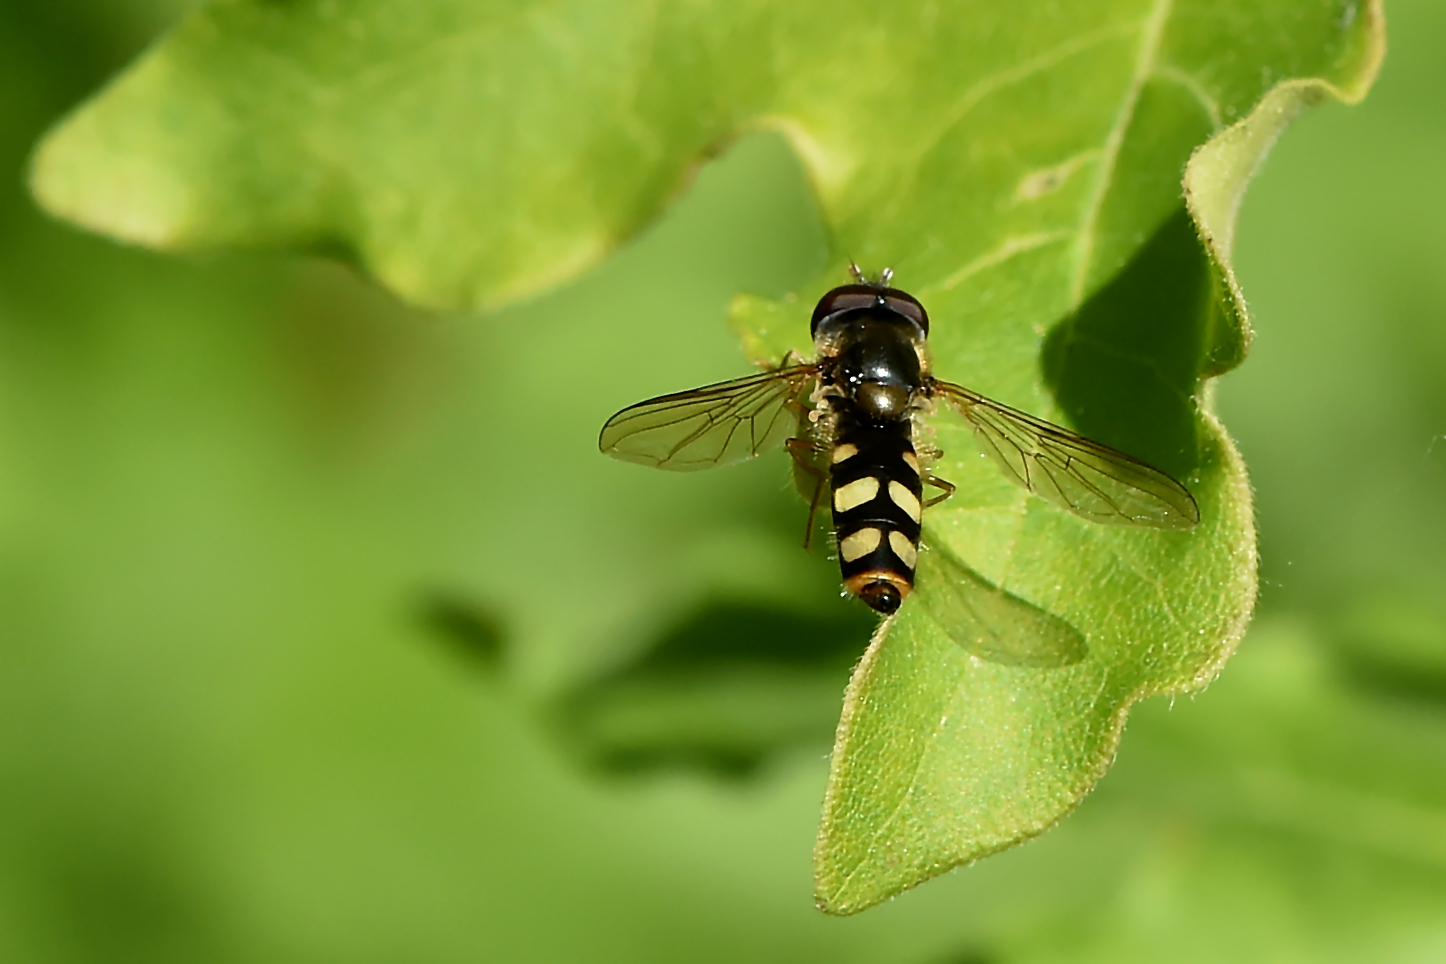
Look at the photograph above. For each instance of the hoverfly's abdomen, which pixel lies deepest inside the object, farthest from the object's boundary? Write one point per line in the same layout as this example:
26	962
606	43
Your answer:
877	505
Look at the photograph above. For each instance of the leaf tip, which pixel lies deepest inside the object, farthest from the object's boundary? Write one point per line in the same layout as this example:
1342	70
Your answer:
833	893
79	173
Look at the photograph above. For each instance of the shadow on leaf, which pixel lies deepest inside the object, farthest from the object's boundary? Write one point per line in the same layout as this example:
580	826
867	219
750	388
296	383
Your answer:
990	623
1125	366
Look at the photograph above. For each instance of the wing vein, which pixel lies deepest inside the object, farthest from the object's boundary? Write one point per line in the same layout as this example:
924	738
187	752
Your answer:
1091	480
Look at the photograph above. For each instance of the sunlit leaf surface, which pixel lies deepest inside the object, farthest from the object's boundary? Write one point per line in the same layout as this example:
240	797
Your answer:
1019	166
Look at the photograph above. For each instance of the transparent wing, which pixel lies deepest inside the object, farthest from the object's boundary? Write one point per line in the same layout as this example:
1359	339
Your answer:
709	426
990	623
1091	480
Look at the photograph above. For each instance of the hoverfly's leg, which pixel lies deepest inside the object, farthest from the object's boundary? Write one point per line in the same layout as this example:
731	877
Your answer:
802	450
803	412
800	405
929	454
938	483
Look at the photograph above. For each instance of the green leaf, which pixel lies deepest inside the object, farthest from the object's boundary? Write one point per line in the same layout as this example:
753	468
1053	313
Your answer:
1020	169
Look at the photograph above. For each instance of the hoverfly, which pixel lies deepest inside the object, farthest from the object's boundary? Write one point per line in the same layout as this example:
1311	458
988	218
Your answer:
852	420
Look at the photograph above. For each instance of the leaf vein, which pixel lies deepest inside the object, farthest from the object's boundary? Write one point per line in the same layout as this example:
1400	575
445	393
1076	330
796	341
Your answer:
1006	250
1192	86
1151	32
877	832
1010	76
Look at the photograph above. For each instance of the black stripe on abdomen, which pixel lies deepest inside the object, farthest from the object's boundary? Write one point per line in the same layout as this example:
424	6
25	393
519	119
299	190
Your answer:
877	504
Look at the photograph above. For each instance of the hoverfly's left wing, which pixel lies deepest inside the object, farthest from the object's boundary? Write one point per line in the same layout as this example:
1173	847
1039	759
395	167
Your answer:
989	622
1091	480
710	426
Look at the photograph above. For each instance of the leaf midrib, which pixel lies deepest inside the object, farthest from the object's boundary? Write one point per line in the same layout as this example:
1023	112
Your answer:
1151	33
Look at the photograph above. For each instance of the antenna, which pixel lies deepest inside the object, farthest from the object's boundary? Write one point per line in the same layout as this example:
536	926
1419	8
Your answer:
885	276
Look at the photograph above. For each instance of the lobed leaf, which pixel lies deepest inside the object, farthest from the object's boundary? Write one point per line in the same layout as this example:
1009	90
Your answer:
1019	166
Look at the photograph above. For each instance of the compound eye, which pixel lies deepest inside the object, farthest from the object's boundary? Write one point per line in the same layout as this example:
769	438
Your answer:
908	306
846	298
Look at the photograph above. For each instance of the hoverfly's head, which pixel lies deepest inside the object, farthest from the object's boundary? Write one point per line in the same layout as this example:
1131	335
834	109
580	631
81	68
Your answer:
847	301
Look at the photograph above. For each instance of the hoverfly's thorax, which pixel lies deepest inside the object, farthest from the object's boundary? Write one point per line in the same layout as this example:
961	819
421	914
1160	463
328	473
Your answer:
871	343
875	360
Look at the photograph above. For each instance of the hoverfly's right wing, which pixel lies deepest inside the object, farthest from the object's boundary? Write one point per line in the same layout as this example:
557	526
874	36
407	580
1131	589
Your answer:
1091	480
714	425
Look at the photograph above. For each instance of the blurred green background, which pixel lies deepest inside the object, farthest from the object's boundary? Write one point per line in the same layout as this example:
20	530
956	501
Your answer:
327	635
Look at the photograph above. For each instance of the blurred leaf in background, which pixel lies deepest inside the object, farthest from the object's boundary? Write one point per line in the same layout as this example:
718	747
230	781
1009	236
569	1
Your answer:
239	497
